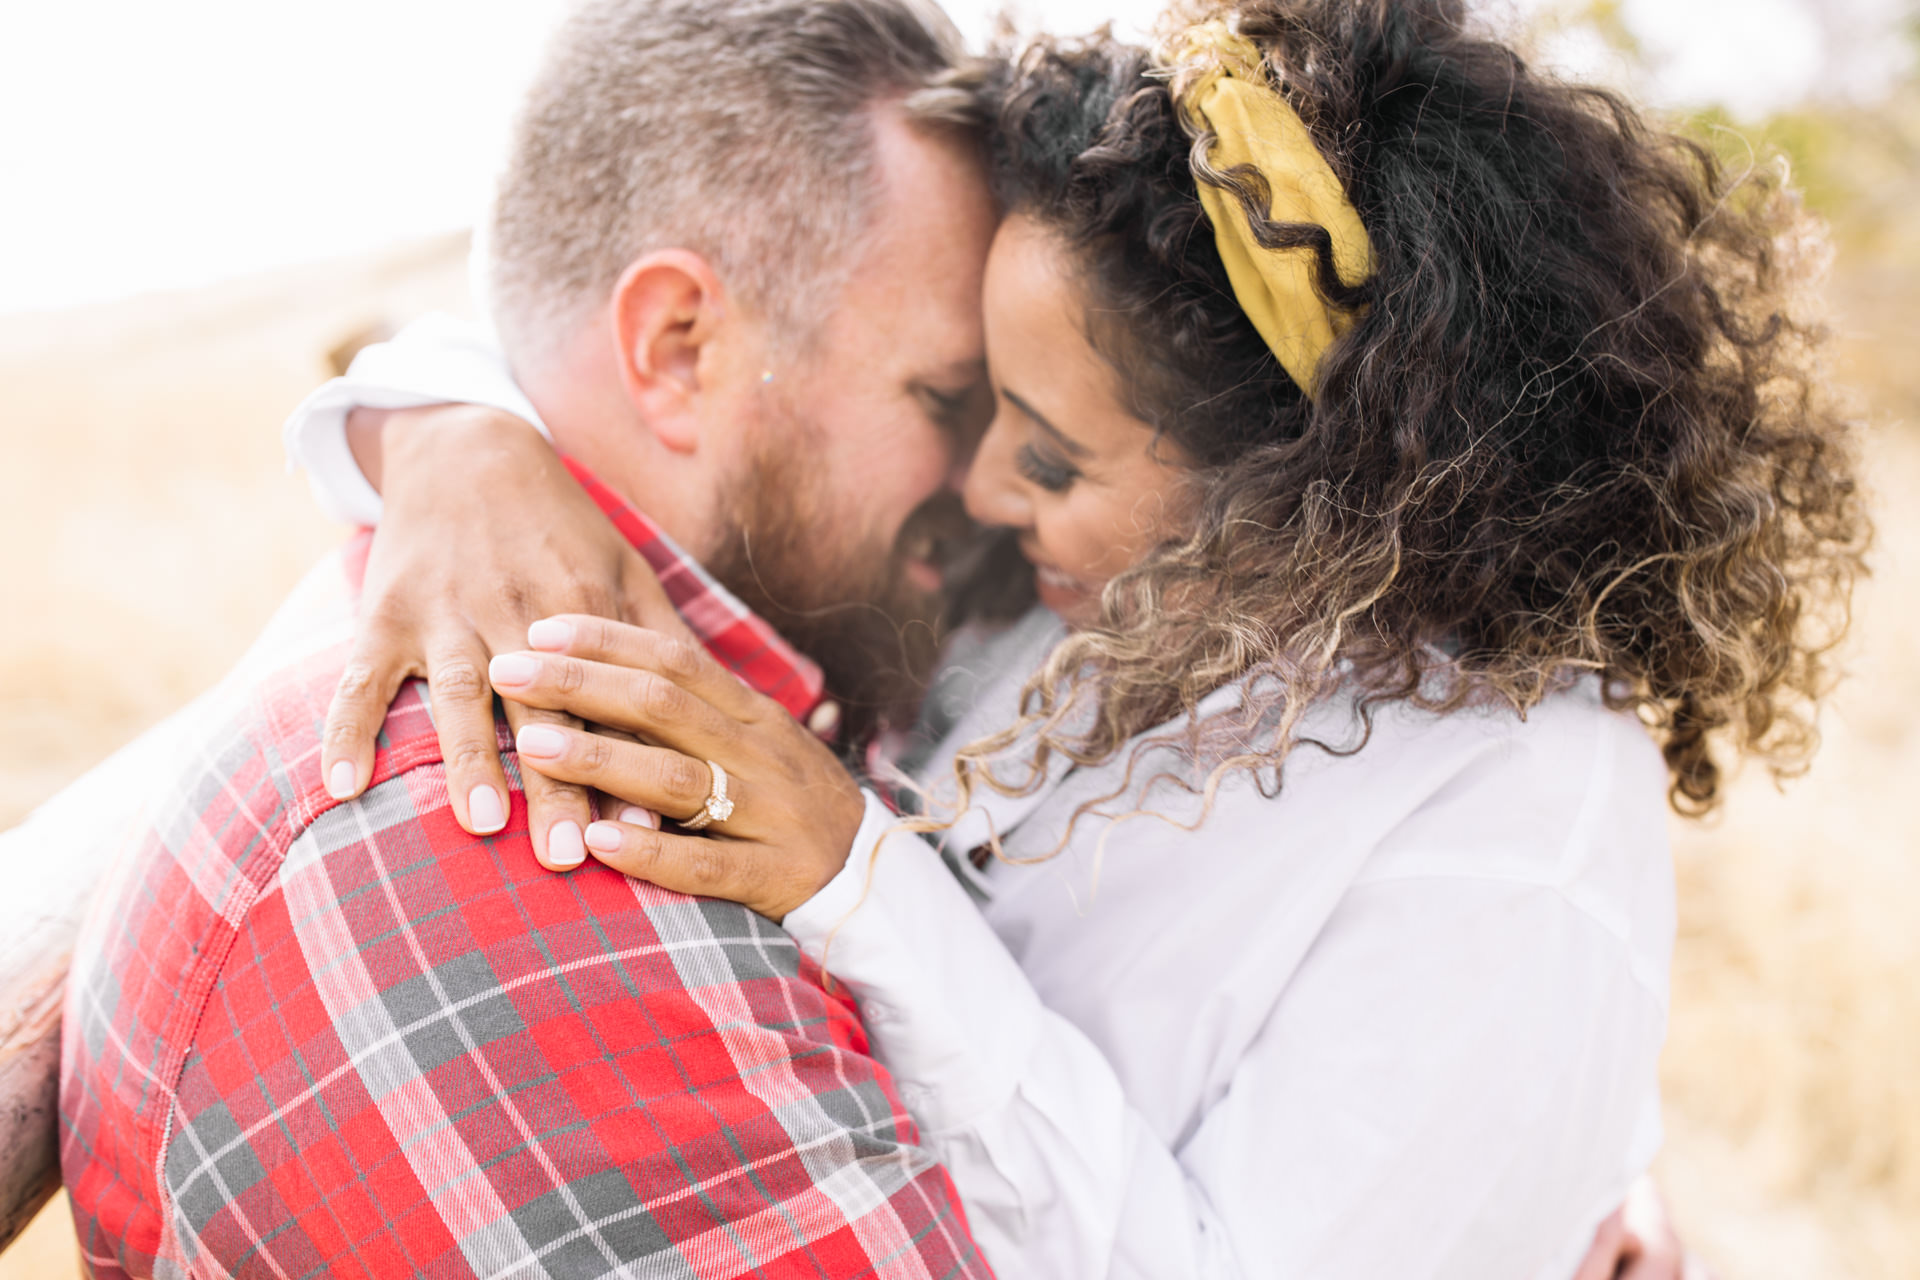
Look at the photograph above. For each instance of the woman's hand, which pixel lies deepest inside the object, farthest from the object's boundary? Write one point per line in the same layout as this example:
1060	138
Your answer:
1638	1242
796	809
484	531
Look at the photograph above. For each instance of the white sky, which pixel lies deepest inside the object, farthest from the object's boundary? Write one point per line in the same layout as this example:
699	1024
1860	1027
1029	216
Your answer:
156	144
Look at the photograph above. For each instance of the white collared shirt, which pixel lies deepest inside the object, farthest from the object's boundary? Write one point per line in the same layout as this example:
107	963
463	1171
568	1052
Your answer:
1399	1021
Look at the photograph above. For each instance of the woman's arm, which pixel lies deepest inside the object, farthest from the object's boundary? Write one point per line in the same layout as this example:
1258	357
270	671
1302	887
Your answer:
1401	1113
436	360
481	531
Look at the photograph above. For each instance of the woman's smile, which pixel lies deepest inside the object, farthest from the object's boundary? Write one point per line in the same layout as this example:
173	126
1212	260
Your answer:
1060	593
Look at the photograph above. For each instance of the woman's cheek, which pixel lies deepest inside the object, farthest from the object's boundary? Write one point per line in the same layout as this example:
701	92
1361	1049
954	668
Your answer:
1112	546
1089	536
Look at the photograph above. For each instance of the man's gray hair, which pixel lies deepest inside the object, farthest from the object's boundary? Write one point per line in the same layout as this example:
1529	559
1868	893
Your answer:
739	129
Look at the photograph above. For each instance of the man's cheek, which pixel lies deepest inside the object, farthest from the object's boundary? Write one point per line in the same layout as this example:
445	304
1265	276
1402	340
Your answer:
887	496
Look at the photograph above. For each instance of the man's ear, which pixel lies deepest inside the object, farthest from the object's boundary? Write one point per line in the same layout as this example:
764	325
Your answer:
666	309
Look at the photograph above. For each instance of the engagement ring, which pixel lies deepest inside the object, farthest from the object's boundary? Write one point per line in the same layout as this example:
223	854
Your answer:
717	808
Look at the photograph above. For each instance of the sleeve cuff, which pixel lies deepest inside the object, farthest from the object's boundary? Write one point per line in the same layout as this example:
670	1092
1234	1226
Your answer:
436	360
946	1006
315	437
813	924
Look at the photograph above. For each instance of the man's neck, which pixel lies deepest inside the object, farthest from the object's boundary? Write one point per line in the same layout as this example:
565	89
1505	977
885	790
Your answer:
593	421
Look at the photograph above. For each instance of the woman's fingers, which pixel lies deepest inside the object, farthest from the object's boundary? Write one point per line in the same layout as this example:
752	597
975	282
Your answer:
469	743
373	675
669	783
1608	1252
1653	1250
558	810
676	657
639	701
733	870
610	806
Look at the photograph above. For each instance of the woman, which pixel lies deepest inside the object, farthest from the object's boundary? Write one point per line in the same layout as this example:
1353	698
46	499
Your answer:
1421	477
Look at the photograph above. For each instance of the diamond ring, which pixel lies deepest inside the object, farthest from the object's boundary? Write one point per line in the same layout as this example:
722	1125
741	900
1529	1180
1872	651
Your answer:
717	808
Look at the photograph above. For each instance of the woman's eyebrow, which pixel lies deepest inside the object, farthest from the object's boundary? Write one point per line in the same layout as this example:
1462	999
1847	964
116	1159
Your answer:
1067	442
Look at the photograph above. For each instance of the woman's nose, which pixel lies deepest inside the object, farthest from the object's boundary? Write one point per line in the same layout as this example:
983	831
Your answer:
994	491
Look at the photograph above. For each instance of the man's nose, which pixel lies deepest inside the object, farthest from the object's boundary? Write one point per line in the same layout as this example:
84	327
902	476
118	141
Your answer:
969	435
959	472
992	491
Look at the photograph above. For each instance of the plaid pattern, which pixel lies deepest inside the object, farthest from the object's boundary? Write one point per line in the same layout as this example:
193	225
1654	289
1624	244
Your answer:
731	632
309	1039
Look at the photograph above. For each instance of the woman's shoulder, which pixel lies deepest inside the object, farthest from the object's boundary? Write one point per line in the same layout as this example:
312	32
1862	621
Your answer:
1554	820
979	653
976	688
1550	796
1485	778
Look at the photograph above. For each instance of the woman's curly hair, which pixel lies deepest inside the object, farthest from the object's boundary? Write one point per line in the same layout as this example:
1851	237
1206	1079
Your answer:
1579	427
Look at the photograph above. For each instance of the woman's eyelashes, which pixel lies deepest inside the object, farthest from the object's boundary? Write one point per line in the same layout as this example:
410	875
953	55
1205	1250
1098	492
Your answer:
1050	474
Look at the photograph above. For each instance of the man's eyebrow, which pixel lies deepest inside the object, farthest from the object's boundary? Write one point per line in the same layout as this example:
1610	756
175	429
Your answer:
1067	442
962	373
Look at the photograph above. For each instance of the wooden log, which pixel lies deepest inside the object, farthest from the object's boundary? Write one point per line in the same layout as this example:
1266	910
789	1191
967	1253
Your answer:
41	899
29	1077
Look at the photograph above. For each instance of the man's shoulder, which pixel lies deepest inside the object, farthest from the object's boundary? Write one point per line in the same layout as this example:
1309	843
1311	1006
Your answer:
227	788
262	728
188	825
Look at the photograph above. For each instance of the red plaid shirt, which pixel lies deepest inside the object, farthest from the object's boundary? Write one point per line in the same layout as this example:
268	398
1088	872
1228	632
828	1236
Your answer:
305	1038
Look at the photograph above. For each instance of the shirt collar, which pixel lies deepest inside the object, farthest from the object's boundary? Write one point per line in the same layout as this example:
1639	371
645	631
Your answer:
742	640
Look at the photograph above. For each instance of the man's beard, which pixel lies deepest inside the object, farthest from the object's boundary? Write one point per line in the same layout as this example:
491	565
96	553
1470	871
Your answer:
851	608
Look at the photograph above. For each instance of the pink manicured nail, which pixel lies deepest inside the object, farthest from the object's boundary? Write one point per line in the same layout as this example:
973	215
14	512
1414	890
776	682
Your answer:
539	740
603	837
825	720
565	848
485	811
634	816
340	779
514	668
553	634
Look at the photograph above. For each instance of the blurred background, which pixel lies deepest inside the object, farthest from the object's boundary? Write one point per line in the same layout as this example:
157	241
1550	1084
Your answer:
205	198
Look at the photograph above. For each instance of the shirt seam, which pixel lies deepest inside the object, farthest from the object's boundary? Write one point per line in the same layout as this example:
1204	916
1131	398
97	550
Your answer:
301	815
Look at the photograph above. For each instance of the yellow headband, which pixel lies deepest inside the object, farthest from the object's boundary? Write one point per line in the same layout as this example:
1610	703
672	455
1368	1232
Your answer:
1221	86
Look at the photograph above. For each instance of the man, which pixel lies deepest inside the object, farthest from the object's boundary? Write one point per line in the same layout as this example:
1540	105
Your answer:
308	1034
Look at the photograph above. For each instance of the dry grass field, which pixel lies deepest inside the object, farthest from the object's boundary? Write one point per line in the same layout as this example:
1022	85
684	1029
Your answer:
153	528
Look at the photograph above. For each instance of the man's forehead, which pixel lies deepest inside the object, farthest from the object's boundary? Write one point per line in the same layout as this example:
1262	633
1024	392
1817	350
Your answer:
909	310
934	217
916	320
913	156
